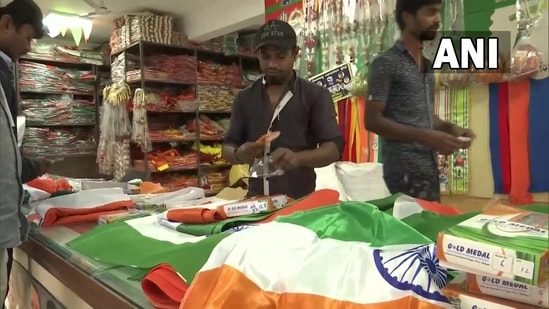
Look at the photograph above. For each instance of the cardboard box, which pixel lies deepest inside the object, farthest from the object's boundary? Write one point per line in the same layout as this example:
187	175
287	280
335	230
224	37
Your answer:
502	242
508	289
460	298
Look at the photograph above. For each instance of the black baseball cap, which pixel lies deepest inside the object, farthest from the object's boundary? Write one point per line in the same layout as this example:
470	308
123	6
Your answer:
277	33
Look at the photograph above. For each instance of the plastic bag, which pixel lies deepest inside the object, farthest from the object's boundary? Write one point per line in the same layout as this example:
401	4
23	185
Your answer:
455	78
488	76
262	169
526	60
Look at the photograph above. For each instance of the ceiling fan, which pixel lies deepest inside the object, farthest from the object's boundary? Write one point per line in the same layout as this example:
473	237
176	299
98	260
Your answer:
99	8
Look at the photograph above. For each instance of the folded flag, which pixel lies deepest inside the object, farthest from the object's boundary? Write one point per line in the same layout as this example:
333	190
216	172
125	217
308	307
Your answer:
317	199
164	287
349	255
81	207
45	187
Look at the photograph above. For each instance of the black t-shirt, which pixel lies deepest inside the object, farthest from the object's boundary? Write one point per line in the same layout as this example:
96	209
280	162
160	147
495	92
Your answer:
307	120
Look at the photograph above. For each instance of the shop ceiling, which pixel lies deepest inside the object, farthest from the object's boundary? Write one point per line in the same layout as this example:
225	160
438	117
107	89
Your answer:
199	20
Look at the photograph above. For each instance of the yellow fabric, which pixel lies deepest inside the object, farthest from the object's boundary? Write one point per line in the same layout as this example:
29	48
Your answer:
238	172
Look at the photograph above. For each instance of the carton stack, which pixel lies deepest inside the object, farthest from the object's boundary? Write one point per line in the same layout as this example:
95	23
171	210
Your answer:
504	256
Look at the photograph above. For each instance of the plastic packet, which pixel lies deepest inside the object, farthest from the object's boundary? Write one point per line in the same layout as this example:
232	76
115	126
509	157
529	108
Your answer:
526	60
261	169
488	76
456	78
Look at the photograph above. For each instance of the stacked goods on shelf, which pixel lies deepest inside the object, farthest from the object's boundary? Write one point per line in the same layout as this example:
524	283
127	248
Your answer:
214	182
164	68
170	160
170	99
167	129
184	100
55	110
505	253
67	54
216	85
147	27
58	100
55	142
209	129
38	77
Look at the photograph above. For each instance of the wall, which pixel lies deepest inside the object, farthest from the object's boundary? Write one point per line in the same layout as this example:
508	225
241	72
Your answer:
499	11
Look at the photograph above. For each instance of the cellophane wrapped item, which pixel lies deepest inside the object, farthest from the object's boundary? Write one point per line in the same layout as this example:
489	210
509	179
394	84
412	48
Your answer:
456	78
488	76
526	60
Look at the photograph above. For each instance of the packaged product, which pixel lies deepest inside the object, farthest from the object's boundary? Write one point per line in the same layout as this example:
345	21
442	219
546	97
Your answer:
503	242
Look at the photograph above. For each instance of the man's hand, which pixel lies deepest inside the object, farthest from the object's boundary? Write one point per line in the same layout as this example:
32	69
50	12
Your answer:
249	151
442	142
285	159
463	132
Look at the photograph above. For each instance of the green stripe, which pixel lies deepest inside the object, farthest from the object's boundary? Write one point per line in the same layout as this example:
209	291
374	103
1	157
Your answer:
277	7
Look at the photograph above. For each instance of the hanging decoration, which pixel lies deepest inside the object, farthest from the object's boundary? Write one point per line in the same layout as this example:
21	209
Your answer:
58	24
113	151
526	59
140	127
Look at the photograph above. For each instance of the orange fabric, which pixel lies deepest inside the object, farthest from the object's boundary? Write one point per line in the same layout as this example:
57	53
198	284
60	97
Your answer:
316	199
227	288
67	216
195	215
439	208
147	187
363	136
163	287
519	99
49	185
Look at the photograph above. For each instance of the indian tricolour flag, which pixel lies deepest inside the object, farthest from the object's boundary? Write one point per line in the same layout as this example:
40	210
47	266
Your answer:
349	255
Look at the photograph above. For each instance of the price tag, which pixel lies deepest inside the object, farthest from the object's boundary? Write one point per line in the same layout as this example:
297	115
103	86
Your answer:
523	269
163	167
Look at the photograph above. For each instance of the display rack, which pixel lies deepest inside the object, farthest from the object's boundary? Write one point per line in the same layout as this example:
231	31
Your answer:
198	93
59	99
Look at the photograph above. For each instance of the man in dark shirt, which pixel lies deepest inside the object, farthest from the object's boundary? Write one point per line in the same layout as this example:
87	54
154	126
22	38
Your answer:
301	111
20	23
400	106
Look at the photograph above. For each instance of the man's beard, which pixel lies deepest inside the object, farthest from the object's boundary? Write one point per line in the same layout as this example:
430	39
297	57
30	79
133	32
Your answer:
428	35
274	80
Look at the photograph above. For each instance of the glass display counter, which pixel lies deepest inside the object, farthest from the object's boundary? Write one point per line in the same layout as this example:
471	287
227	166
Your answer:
95	283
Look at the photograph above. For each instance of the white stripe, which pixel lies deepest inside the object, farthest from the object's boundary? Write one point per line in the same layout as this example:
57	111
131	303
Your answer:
406	206
82	199
150	227
283	257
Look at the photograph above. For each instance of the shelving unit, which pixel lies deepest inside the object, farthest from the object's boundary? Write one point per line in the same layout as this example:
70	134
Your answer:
60	102
190	100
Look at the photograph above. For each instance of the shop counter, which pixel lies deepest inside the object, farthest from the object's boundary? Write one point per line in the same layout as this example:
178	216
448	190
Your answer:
76	281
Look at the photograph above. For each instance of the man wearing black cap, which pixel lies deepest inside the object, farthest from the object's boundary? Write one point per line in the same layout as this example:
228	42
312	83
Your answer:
301	111
400	108
20	23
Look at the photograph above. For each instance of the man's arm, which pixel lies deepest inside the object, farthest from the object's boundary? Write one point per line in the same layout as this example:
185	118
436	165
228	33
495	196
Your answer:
444	126
236	135
379	86
324	126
